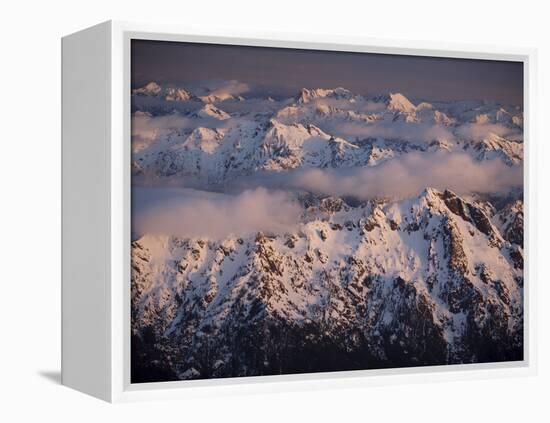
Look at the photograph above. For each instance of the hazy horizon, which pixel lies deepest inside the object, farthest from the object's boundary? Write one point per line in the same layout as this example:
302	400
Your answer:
283	72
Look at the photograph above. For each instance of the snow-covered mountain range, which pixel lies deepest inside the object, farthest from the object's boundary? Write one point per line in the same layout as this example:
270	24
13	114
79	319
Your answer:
367	276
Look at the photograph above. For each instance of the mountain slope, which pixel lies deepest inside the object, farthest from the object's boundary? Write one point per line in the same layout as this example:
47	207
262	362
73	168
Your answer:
429	280
319	128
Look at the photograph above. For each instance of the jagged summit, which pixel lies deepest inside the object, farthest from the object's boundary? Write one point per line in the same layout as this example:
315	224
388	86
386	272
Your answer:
211	111
168	93
152	88
219	97
206	140
306	95
178	94
396	102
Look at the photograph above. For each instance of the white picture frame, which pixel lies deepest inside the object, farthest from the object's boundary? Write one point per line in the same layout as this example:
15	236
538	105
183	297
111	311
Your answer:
96	214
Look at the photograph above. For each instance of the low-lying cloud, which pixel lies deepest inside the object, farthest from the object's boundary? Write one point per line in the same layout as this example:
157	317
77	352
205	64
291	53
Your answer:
265	202
147	128
189	213
480	131
400	177
408	131
228	88
360	106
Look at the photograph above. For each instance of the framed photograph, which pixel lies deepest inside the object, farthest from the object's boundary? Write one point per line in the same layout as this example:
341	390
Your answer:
269	212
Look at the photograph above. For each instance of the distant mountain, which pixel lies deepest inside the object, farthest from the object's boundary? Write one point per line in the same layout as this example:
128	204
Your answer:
152	89
313	132
216	98
211	111
396	102
305	95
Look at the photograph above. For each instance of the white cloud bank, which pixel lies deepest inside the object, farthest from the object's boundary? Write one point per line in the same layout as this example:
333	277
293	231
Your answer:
188	213
400	177
480	131
227	88
265	203
408	131
412	173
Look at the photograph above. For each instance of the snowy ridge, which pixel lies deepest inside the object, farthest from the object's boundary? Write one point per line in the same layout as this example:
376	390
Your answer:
428	279
383	126
167	93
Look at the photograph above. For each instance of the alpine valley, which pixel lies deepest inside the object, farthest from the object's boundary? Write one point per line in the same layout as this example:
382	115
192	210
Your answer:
326	231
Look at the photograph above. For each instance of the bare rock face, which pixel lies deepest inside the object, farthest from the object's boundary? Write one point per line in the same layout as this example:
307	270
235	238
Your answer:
431	280
469	213
510	221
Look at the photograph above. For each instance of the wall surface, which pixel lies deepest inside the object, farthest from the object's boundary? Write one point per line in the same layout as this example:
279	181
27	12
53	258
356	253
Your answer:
85	319
30	233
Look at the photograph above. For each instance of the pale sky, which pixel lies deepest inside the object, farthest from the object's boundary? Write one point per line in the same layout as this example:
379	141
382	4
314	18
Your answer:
283	72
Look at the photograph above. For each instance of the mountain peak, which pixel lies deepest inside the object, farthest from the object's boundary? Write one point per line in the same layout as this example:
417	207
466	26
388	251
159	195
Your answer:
216	97
429	191
152	88
396	102
178	94
167	93
430	195
205	139
211	111
306	95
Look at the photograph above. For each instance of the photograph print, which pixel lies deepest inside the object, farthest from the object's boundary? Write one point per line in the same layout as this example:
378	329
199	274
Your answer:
302	211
